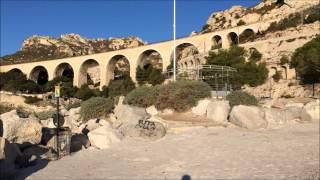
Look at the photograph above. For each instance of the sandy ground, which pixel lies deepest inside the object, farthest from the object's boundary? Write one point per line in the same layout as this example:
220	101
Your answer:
291	152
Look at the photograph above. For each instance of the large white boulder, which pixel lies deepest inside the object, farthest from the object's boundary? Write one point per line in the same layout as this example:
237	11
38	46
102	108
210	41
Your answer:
313	109
21	131
218	111
249	117
201	107
152	110
128	115
104	137
299	105
295	113
274	117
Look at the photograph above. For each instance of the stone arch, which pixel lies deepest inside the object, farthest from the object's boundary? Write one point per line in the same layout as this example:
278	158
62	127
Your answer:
233	38
17	74
247	35
184	52
118	67
64	70
273	71
89	73
150	57
217	42
39	74
284	71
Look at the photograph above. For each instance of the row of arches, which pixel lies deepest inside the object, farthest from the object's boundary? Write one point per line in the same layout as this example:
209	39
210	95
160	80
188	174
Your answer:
233	38
118	66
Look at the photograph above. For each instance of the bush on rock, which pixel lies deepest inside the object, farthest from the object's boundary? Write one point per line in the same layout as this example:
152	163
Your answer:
95	107
143	96
241	98
181	95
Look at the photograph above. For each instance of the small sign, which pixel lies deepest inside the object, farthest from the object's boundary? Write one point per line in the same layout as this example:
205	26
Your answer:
57	91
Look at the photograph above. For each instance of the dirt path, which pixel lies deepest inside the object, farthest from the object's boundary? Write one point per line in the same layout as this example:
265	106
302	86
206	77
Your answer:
291	152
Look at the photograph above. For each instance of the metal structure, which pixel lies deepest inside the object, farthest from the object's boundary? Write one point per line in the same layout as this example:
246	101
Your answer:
218	77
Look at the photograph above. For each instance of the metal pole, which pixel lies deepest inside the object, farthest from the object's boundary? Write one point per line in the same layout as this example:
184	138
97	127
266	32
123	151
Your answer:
174	40
58	128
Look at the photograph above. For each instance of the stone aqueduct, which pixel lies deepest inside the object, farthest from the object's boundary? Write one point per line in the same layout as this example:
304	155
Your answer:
105	61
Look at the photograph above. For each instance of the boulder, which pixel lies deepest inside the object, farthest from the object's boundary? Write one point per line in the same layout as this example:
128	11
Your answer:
152	110
201	107
90	125
8	155
145	129
274	117
295	113
20	130
299	105
218	111
167	111
36	150
103	137
127	115
249	117
78	141
313	109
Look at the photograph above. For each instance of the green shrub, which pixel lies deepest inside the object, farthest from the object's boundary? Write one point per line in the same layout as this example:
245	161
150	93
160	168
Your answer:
149	75
284	60
44	115
31	100
95	107
5	108
120	87
292	21
255	55
85	93
22	113
250	73
241	22
241	98
181	95
143	96
73	105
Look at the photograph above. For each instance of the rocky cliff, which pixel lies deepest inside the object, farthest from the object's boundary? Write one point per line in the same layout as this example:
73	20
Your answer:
264	11
68	45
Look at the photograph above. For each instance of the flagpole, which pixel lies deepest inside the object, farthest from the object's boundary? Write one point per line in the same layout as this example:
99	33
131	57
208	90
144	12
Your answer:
174	40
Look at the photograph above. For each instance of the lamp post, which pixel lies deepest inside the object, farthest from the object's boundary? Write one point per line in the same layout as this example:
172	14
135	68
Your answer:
174	40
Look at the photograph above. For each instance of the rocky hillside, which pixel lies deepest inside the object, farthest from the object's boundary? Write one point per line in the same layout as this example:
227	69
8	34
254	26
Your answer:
264	11
68	45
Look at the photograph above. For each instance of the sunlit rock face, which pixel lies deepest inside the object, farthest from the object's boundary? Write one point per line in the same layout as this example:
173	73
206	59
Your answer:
68	45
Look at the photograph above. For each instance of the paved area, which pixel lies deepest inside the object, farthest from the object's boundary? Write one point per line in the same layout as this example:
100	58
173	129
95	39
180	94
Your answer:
290	152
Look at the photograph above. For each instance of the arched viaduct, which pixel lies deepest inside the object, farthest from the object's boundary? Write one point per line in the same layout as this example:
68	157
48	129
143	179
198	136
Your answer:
105	62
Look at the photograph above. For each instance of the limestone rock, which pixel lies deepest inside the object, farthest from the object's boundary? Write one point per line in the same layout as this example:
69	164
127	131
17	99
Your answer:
313	109
152	110
274	117
218	111
144	129
201	107
296	113
78	141
20	130
104	137
299	105
127	115
249	117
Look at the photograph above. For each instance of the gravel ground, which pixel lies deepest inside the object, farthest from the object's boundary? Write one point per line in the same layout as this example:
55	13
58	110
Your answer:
290	152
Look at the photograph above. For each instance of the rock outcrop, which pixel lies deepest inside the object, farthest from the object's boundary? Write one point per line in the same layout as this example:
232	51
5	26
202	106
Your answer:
265	11
68	45
249	117
103	137
20	130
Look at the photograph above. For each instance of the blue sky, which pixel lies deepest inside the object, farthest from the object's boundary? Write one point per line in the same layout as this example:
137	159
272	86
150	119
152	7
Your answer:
150	20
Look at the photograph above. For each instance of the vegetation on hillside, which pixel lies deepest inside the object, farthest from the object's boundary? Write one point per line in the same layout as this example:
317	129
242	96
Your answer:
179	95
149	75
252	73
306	61
241	98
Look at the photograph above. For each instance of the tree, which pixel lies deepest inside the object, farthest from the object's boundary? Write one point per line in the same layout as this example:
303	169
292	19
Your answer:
251	73
306	61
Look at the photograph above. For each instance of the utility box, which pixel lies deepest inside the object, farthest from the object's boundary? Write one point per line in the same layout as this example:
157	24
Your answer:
60	145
